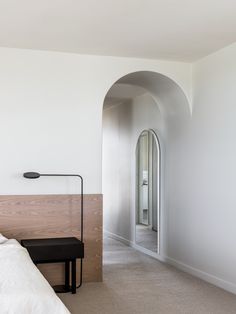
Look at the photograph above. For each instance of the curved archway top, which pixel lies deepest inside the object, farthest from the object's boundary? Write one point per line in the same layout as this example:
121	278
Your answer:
170	96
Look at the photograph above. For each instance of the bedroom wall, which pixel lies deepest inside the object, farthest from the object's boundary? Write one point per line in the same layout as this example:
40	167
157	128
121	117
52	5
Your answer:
51	114
51	121
116	183
201	207
199	156
122	125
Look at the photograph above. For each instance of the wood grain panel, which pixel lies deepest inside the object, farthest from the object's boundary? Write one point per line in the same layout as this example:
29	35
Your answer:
43	216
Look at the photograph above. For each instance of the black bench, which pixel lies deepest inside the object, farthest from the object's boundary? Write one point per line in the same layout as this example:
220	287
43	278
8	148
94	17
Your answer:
57	250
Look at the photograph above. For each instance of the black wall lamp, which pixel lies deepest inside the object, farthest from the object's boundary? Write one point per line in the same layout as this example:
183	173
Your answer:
36	175
72	245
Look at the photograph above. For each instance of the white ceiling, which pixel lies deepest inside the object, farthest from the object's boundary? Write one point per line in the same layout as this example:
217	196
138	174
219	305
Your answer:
183	30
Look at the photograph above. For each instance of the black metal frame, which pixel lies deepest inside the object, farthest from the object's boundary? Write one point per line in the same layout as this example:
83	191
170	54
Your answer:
36	175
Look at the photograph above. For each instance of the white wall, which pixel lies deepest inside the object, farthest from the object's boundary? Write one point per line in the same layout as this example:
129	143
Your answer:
51	120
123	125
199	171
202	203
51	114
117	169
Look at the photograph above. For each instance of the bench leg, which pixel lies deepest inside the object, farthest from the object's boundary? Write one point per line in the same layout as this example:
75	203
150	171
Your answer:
73	276
67	275
81	273
66	287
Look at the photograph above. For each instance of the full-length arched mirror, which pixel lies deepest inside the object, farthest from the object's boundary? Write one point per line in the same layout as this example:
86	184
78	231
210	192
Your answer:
147	191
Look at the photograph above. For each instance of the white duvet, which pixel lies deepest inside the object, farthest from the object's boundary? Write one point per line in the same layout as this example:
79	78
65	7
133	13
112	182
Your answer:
23	289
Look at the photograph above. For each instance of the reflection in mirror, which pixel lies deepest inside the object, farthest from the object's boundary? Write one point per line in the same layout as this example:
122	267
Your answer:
147	191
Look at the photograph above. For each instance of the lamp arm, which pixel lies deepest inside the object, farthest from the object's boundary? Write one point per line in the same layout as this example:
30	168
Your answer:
81	197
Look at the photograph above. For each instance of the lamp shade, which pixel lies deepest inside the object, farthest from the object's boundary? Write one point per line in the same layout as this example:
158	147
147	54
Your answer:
31	175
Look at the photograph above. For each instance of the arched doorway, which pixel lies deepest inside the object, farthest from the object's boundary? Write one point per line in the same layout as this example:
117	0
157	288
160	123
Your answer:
138	101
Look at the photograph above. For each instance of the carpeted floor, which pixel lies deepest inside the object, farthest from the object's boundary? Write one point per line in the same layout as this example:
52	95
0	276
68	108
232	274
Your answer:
137	284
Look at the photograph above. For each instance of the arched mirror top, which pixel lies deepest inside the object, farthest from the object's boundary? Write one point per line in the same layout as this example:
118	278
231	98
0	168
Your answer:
147	191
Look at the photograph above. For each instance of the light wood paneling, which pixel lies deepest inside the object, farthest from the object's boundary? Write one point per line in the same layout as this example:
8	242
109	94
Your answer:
42	216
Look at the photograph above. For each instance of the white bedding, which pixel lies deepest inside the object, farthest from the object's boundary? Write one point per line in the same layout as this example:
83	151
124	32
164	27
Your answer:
23	289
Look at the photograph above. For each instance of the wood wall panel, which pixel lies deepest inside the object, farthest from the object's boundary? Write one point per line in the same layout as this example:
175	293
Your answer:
42	216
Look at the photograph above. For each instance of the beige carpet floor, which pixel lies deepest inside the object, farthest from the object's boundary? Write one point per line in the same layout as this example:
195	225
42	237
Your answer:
135	283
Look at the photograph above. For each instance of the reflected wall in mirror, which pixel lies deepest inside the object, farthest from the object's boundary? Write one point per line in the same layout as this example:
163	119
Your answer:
147	191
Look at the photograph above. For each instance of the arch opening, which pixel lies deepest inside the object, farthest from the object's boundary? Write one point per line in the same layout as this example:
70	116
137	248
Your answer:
138	101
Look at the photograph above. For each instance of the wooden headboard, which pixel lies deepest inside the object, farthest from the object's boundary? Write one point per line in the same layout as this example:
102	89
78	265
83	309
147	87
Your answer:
42	216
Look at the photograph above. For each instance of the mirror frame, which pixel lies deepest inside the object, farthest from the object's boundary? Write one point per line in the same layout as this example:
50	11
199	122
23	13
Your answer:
158	191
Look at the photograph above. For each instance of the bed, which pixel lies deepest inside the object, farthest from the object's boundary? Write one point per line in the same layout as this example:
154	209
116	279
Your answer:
23	289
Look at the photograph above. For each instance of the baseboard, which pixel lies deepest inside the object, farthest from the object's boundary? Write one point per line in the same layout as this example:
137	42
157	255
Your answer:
117	237
148	252
226	285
